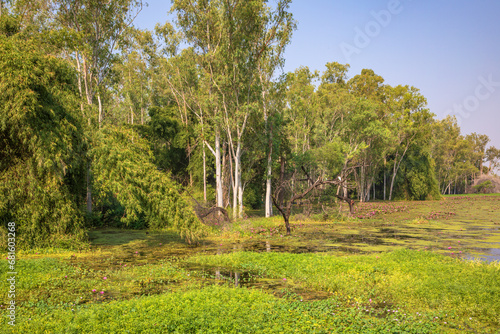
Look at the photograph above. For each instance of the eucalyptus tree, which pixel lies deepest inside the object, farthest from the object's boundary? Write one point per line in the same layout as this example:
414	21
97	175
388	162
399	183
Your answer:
233	39
369	128
277	35
135	72
478	143
334	103
332	140
302	103
409	118
97	26
493	156
452	154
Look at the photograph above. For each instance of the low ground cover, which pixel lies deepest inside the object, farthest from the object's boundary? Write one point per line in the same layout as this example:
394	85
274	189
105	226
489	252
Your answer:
404	268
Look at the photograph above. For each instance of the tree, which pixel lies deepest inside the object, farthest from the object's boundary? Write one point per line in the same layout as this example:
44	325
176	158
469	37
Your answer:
409	119
231	40
43	147
368	127
94	27
478	143
493	156
98	26
134	72
452	155
123	167
301	101
266	70
284	186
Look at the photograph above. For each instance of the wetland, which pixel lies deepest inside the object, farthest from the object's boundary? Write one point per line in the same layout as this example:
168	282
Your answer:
414	267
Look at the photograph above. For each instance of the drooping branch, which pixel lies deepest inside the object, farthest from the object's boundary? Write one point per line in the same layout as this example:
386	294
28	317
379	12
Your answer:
204	212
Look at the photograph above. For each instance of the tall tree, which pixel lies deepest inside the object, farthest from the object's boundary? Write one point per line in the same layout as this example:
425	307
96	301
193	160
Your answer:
98	25
233	39
409	118
493	156
478	143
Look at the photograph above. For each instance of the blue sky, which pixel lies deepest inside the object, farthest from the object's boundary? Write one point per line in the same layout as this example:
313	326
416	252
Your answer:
450	50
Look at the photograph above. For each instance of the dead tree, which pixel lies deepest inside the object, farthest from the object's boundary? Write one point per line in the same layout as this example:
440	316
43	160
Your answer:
285	207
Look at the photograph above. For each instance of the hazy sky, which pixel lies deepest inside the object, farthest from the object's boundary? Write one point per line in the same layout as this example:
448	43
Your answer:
450	50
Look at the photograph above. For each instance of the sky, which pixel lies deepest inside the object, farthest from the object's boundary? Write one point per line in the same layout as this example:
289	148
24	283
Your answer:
448	49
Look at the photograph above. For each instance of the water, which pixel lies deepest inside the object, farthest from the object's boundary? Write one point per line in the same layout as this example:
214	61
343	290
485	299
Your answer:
493	254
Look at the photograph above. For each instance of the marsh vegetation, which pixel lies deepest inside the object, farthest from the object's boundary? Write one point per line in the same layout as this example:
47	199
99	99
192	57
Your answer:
414	267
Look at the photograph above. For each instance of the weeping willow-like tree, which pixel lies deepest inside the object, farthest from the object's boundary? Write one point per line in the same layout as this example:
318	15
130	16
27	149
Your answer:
42	146
123	168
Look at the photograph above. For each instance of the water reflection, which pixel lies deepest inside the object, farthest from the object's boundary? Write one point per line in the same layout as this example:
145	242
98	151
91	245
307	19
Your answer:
494	255
237	278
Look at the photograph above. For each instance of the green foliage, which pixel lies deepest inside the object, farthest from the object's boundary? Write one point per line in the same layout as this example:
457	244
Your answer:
169	140
483	187
8	25
42	146
416	281
221	310
123	168
418	171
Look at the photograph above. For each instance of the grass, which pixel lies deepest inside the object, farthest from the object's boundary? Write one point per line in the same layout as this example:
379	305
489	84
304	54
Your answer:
218	309
394	267
415	281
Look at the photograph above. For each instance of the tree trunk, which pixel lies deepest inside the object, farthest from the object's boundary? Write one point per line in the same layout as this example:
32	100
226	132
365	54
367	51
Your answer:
349	201
268	200
89	191
218	179
385	177
100	109
287	225
142	108
238	189
281	194
392	185
204	174
79	70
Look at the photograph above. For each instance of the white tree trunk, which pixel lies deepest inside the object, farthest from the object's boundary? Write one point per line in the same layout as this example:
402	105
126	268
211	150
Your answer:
236	179
268	200
218	171
100	109
204	174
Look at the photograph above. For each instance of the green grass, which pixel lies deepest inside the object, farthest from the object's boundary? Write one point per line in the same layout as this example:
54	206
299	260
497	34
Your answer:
223	310
393	267
413	280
